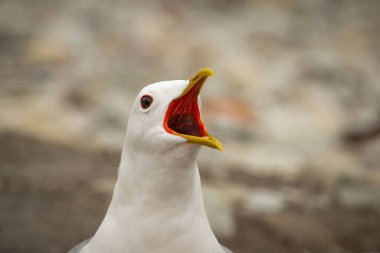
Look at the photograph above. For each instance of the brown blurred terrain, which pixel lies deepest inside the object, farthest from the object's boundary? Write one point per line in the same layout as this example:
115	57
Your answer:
295	101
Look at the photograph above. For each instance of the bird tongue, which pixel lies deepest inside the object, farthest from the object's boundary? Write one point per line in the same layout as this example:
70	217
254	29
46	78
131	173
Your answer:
185	123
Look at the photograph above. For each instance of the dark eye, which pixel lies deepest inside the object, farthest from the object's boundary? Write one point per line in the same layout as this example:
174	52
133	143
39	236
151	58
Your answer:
146	101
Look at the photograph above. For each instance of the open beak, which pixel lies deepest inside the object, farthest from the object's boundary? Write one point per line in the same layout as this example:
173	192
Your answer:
183	115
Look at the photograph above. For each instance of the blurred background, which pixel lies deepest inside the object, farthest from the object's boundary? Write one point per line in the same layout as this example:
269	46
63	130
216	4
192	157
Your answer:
295	101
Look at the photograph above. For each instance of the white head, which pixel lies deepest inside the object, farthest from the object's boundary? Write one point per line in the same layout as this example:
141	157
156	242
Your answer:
157	203
166	117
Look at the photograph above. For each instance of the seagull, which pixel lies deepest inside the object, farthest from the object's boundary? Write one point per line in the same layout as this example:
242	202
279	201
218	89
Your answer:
157	203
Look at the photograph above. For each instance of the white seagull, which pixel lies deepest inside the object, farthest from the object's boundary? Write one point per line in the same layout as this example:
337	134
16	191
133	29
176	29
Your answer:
157	203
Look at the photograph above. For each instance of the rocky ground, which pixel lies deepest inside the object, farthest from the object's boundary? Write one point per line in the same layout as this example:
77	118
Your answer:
53	196
295	101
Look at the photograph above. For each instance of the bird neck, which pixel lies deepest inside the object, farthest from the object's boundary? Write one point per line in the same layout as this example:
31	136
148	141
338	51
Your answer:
157	206
153	182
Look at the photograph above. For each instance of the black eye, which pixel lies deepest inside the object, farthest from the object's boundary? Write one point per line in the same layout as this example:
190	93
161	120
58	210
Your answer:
146	101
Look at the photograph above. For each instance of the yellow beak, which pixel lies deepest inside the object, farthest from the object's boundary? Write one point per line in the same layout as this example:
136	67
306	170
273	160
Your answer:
185	107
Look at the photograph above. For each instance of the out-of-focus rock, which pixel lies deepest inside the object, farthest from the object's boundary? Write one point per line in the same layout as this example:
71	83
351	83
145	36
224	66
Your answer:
265	201
220	211
355	196
269	159
103	185
235	192
291	79
47	51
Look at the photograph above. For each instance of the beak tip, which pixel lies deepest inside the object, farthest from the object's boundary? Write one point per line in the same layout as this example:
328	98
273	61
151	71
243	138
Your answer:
207	71
219	147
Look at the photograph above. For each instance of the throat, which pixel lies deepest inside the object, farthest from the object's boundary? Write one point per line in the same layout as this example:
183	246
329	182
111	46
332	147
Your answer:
158	189
186	123
156	208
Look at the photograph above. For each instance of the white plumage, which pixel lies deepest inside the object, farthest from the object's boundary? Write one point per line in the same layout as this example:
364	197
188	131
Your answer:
157	203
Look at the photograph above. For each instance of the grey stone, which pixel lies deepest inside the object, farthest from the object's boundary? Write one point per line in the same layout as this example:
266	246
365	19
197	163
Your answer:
265	201
220	211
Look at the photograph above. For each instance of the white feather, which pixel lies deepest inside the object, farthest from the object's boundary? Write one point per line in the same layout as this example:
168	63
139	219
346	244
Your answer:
157	204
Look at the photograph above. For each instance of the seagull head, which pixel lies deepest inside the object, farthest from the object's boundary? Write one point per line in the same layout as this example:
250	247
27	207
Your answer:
167	115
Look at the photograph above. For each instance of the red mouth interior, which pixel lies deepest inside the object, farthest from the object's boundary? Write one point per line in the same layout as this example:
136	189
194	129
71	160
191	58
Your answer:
183	116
